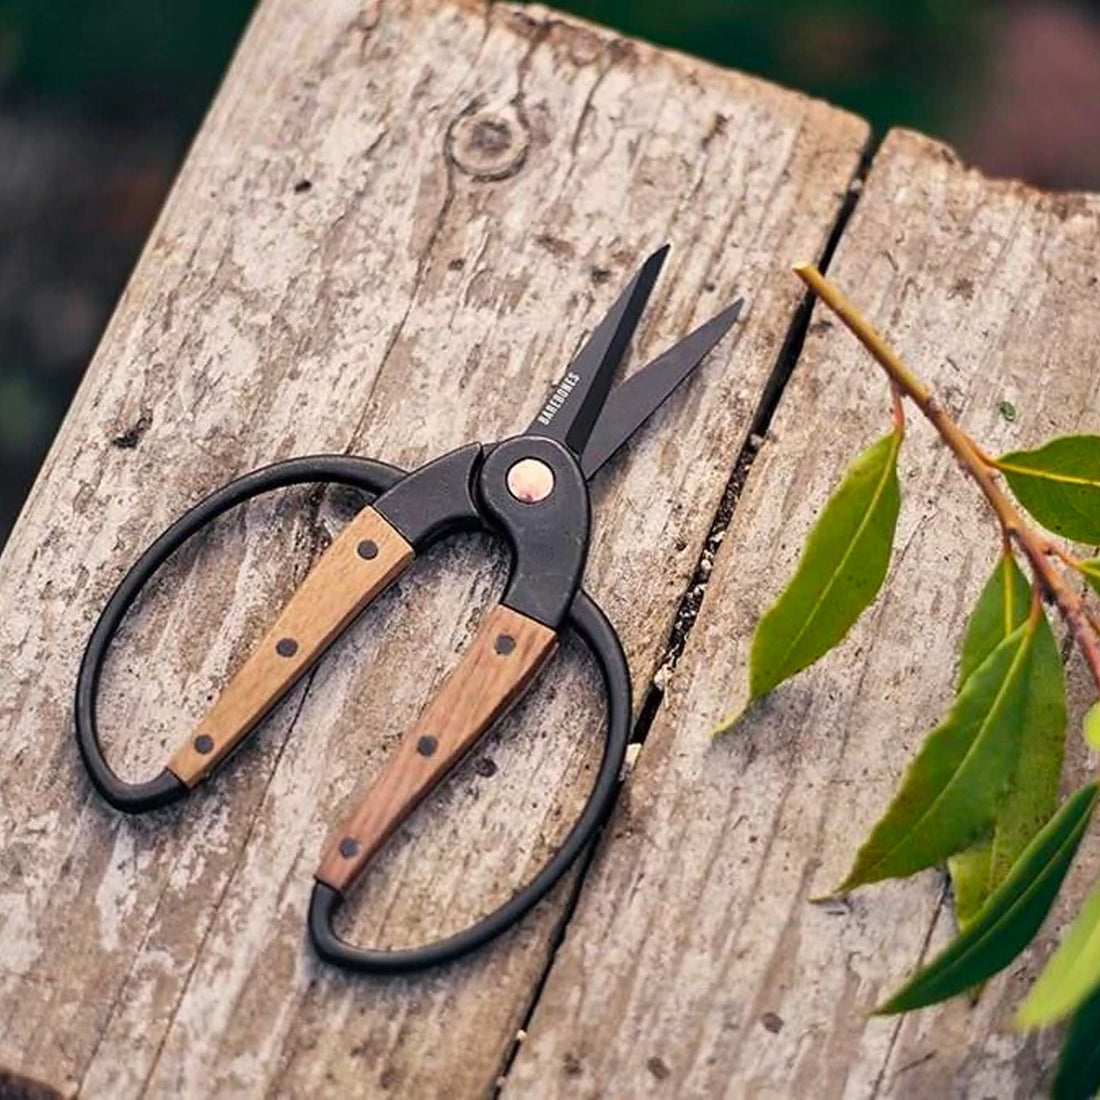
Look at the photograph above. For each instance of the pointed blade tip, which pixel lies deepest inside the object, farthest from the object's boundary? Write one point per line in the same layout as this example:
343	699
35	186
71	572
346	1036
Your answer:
732	312
658	256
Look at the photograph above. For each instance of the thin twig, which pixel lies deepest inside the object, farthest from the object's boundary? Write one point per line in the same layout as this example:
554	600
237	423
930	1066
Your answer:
973	460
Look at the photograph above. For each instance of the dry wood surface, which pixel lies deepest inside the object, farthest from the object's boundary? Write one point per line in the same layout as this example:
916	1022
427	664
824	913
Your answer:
695	964
395	226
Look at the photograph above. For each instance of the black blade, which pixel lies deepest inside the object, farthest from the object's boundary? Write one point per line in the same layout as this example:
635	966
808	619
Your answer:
632	403
574	406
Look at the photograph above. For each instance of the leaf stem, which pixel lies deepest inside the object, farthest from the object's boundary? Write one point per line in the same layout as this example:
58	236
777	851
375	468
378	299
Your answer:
983	454
1062	554
973	460
899	408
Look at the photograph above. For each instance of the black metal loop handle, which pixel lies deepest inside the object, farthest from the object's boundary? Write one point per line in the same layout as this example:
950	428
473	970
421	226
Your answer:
165	788
586	617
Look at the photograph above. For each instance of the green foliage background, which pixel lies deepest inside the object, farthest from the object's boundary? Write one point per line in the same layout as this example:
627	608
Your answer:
891	62
131	58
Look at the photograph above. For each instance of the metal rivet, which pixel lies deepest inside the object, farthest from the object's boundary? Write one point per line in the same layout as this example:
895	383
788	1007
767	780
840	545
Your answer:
426	745
530	480
286	647
349	847
367	549
504	643
204	743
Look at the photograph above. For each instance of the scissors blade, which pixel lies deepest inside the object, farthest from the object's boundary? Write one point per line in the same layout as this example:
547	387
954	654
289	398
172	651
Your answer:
632	403
574	407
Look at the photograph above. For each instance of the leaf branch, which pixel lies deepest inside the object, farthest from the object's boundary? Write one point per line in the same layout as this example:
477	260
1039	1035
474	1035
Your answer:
974	461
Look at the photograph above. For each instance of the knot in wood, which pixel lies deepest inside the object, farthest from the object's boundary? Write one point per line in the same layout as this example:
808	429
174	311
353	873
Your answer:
489	144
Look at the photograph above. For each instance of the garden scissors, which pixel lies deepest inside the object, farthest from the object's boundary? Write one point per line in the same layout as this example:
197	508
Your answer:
532	490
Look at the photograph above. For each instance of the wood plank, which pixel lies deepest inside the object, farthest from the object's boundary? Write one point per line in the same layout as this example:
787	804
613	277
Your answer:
695	964
392	231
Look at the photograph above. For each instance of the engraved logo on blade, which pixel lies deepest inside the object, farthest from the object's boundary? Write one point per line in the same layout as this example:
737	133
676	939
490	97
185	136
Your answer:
557	398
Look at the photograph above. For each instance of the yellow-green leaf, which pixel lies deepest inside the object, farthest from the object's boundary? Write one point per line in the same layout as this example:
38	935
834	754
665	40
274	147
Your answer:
1033	792
1010	918
1032	795
1002	606
1073	973
1078	1076
1059	484
1092	725
841	570
951	792
1090	570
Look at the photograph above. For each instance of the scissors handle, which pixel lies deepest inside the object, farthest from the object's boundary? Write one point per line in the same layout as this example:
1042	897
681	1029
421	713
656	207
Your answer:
166	787
504	657
365	559
591	624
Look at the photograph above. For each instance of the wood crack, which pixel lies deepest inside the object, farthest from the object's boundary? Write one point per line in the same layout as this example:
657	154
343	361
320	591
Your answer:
692	599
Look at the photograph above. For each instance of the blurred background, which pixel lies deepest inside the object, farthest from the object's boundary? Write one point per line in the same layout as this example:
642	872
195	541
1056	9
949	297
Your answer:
99	101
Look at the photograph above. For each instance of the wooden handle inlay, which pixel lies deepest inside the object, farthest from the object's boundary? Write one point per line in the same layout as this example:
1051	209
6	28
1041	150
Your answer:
494	671
366	558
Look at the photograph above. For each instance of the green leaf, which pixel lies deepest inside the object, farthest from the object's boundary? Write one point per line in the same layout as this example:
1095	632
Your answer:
1071	975
1078	1075
1002	606
1033	792
951	792
1092	725
841	569
1090	570
1010	918
1059	484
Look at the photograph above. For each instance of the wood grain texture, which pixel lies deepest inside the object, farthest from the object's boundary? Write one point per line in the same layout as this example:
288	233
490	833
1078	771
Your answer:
695	964
394	228
361	563
497	667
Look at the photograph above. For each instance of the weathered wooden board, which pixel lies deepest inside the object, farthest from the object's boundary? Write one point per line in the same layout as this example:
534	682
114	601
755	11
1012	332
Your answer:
695	964
396	224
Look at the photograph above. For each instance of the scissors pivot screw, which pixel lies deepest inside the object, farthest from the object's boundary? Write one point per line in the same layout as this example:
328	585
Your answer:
530	480
367	549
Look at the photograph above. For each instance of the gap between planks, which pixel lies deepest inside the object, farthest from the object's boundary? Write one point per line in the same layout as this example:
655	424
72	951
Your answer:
695	593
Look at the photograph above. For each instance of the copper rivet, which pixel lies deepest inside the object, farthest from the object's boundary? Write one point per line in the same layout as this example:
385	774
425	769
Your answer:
286	647
204	743
426	745
504	643
349	847
367	549
530	480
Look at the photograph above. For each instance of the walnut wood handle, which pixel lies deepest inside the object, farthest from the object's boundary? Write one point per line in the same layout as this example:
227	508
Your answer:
499	664
366	558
